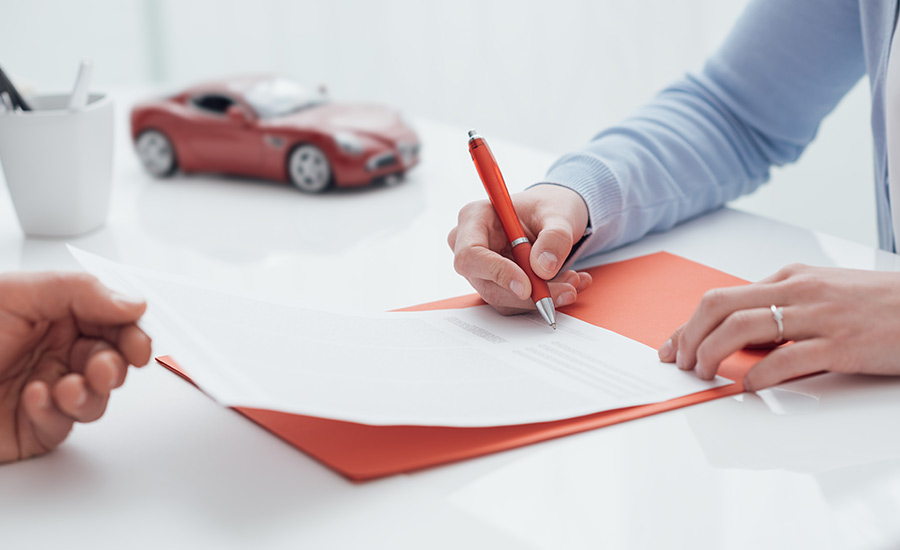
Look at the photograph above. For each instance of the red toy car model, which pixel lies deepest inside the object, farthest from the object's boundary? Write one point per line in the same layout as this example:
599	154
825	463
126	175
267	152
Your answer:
273	128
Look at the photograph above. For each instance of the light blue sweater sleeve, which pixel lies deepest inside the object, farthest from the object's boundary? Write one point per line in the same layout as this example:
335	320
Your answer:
713	136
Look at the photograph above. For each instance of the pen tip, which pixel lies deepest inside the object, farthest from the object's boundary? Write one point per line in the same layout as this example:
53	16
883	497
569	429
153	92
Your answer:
472	133
553	325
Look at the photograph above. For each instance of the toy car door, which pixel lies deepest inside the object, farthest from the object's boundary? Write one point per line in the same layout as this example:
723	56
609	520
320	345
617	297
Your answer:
223	136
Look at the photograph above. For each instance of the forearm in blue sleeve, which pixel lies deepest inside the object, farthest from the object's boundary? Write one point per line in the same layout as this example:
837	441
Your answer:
712	137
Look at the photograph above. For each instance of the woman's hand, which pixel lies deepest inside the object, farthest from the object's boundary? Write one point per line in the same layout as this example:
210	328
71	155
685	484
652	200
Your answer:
65	343
838	320
554	219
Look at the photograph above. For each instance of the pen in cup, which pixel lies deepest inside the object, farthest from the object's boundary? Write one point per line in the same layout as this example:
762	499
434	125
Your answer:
493	182
15	99
79	96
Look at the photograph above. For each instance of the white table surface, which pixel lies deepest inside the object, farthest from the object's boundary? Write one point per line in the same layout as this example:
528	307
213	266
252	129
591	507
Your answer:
816	466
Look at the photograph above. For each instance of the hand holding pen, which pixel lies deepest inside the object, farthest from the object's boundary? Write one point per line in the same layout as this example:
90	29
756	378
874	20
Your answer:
554	217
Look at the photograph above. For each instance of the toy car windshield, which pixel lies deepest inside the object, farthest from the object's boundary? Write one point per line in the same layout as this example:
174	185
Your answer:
279	96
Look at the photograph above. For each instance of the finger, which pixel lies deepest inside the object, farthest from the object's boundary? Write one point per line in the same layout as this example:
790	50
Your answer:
49	426
584	281
564	290
669	350
739	330
784	273
476	241
76	400
791	361
52	296
105	371
82	350
557	220
715	306
481	264
552	246
135	345
500	298
567	286
563	293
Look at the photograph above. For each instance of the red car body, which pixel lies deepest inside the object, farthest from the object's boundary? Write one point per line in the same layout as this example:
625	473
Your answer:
216	127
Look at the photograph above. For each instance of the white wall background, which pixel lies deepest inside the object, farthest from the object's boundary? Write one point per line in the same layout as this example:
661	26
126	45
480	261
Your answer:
546	75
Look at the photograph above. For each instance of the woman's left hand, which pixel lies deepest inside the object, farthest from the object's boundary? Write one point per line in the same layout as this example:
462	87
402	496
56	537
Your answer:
839	320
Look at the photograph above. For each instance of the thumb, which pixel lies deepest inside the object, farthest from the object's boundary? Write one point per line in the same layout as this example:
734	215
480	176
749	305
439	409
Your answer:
551	248
51	296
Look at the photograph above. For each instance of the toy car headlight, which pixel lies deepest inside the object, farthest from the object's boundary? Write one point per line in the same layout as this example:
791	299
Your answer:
349	143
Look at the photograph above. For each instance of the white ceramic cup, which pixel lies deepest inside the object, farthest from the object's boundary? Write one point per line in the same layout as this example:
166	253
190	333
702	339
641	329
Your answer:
58	164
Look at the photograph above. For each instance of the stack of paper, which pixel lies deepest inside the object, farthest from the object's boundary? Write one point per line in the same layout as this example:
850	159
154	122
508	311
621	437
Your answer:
463	367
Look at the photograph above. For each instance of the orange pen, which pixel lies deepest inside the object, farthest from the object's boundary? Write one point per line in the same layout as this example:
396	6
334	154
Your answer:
493	182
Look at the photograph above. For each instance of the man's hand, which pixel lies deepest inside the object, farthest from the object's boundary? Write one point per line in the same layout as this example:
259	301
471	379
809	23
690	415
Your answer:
65	343
554	219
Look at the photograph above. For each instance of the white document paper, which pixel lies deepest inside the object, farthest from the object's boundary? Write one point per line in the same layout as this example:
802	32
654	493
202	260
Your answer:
462	367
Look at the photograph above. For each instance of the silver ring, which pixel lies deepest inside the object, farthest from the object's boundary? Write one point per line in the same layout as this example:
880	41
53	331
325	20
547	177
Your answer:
778	316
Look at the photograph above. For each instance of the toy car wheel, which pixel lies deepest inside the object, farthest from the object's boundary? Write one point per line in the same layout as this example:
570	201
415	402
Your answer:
309	169
156	153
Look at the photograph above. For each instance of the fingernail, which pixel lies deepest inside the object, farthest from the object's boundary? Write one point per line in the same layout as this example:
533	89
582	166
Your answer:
679	360
548	261
565	299
666	349
126	300
747	385
516	288
81	399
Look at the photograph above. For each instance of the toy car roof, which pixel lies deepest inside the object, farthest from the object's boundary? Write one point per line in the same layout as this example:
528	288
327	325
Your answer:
239	85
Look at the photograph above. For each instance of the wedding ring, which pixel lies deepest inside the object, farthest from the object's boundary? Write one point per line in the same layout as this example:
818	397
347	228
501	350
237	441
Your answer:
778	316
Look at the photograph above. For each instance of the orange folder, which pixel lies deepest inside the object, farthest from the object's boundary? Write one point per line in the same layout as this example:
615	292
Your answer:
644	298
